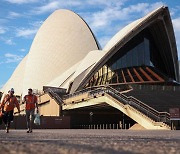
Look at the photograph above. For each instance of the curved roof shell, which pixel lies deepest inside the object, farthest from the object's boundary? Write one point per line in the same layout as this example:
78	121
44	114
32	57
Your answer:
16	79
127	33
85	66
65	50
65	78
63	40
76	73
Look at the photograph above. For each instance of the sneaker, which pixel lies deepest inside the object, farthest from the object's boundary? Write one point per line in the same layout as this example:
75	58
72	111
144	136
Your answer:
7	130
28	131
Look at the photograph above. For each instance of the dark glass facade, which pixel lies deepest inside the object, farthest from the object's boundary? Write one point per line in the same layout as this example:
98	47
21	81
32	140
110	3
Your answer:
130	62
137	56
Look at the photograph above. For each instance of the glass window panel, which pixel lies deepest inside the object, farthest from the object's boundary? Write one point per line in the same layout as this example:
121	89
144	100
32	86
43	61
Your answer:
124	61
119	63
134	57
147	52
129	58
140	54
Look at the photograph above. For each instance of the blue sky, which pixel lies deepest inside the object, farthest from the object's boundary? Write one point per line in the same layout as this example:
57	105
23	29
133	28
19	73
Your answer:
20	20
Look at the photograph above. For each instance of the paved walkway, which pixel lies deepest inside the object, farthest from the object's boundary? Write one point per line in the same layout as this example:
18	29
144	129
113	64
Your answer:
89	141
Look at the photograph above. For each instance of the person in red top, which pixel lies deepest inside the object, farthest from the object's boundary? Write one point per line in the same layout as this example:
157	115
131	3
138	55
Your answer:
31	104
7	105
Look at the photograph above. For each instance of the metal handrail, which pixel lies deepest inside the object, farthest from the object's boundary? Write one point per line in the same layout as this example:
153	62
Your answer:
144	107
140	106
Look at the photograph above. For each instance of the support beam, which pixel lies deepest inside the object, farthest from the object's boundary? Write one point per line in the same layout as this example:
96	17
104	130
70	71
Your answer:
154	74
145	74
132	79
123	76
137	74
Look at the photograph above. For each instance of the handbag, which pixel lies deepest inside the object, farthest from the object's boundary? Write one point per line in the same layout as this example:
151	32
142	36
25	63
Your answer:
37	119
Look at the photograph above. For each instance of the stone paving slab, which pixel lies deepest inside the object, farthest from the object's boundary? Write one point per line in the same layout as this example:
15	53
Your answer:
77	141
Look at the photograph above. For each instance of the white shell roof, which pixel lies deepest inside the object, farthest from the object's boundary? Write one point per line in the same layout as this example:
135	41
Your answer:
117	38
62	41
63	78
74	73
16	79
64	51
126	30
85	67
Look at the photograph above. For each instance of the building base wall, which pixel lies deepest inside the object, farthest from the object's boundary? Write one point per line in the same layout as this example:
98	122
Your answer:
47	122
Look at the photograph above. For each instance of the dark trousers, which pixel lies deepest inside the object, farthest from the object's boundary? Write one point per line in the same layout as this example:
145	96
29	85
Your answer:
7	118
30	118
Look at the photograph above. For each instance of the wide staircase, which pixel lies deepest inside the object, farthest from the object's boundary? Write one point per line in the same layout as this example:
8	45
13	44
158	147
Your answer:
140	112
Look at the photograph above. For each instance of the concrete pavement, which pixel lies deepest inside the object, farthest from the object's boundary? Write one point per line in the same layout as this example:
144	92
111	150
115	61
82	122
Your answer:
75	141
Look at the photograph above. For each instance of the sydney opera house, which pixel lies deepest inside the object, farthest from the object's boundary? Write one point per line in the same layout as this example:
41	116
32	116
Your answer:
133	80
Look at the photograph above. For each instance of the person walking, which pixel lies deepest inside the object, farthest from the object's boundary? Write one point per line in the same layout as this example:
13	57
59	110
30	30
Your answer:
31	104
7	106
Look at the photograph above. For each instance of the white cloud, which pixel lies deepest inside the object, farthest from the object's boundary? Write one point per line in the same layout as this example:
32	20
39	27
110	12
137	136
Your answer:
113	13
22	50
9	42
174	11
12	58
47	7
57	4
113	17
54	5
21	1
3	30
36	24
103	3
29	32
176	25
26	32
152	7
104	40
14	15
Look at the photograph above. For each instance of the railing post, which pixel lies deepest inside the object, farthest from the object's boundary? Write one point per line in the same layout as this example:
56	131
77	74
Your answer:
120	125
